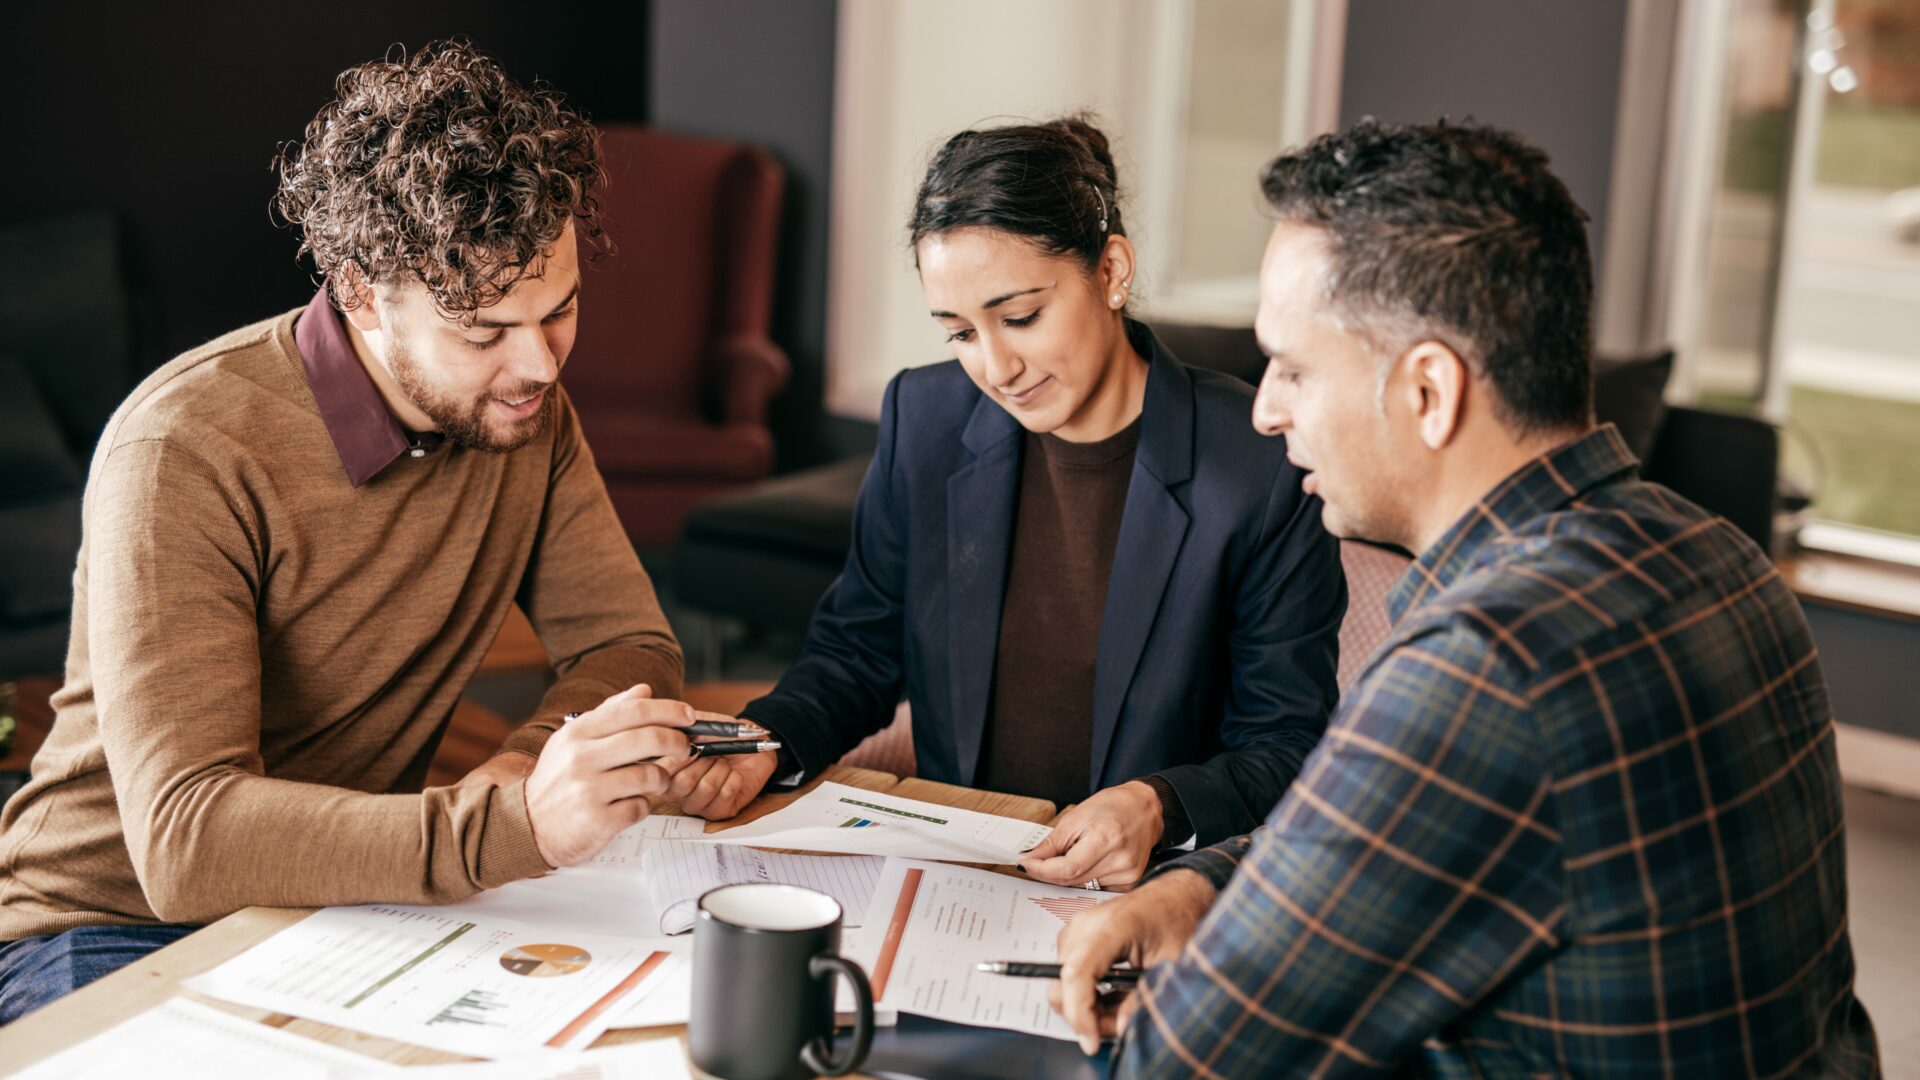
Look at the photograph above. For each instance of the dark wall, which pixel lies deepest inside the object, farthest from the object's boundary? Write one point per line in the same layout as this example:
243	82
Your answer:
170	115
762	70
1550	71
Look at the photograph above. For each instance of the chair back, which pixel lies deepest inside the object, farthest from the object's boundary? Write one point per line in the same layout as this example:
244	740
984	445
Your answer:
693	224
1371	572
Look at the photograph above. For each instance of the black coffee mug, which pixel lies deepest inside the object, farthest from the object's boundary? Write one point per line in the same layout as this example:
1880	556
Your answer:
764	958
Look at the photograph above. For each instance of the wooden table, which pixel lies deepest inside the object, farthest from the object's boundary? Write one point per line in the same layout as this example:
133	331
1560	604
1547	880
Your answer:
150	981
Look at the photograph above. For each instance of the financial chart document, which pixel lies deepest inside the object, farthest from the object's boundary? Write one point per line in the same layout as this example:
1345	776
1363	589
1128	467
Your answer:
624	852
931	923
676	875
855	821
465	984
607	894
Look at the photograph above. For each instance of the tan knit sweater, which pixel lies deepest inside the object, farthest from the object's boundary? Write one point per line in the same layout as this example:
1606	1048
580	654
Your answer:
264	658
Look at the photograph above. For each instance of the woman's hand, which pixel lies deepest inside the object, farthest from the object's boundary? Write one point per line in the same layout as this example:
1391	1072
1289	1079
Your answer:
1107	839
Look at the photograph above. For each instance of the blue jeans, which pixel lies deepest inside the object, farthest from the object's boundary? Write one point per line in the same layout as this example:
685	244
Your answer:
38	971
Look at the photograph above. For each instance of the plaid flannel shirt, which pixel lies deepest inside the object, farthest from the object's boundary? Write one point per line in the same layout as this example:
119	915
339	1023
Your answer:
1580	814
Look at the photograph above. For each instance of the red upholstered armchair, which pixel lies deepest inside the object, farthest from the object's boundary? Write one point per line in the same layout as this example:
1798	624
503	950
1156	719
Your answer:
673	370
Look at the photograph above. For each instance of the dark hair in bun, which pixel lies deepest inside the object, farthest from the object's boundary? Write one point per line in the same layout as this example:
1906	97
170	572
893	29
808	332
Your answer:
1053	183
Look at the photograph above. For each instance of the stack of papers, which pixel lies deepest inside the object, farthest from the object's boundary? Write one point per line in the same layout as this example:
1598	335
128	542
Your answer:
549	964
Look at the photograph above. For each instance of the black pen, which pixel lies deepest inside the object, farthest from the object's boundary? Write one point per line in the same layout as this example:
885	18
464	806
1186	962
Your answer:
728	749
1112	979
731	729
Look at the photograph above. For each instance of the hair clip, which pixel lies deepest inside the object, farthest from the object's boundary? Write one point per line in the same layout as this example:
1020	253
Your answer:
1103	209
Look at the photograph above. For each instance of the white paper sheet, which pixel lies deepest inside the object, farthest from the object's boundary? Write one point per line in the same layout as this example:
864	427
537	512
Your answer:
616	905
466	984
676	874
624	852
190	1041
666	997
605	895
659	1059
931	923
838	818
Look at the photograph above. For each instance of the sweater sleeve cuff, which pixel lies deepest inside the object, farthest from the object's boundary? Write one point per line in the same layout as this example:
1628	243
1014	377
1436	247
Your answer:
1173	814
530	738
508	852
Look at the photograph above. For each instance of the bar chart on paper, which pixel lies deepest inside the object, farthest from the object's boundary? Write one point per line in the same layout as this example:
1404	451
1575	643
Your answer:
931	924
1063	908
467	984
837	818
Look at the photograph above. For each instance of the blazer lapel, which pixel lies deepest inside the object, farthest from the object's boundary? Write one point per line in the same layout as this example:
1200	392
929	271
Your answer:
1152	530
981	498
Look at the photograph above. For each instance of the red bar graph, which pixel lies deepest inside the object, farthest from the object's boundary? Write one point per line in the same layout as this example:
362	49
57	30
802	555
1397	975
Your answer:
1064	908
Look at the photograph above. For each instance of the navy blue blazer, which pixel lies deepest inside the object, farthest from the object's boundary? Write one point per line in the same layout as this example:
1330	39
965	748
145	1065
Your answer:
1218	643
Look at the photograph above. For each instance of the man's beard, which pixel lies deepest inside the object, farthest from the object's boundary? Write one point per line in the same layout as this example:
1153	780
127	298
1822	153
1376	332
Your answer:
466	425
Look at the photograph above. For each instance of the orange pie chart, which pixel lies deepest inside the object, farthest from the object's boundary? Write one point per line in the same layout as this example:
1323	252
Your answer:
545	961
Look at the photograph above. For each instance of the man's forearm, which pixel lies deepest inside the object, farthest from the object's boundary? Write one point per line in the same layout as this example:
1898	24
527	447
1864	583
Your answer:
231	840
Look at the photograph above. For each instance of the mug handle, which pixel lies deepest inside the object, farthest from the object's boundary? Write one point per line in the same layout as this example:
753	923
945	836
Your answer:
817	1054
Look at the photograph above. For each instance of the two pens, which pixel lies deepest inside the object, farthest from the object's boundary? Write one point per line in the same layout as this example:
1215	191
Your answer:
743	737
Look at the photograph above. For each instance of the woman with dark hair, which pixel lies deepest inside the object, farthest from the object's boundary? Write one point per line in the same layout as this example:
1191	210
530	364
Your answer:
1095	582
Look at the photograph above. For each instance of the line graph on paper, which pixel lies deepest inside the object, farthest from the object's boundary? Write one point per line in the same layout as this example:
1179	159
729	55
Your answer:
1064	908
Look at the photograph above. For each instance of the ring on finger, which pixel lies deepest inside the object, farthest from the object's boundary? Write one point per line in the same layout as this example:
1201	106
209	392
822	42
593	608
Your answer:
1091	885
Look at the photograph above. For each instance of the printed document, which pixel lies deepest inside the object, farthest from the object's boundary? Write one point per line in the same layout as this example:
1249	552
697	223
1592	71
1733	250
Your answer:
931	923
185	1039
624	852
466	984
835	817
676	875
605	895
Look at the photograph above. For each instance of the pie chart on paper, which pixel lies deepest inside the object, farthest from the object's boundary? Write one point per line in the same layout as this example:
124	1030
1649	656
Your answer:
545	961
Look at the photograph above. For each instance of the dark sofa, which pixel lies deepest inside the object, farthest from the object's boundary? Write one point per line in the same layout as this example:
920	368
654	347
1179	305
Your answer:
72	336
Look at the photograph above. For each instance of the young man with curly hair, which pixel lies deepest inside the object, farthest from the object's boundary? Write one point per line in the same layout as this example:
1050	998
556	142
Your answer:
1580	814
301	538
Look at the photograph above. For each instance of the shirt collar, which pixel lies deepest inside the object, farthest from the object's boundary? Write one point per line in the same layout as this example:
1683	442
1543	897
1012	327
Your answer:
1541	486
364	431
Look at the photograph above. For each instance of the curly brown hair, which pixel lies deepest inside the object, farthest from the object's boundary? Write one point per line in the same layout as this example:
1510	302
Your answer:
439	167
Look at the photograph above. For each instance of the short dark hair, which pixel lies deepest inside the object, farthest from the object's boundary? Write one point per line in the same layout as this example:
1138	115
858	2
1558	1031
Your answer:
1053	183
440	167
1461	234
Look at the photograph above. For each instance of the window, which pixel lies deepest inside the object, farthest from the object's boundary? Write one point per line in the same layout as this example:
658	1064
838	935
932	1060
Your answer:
1808	309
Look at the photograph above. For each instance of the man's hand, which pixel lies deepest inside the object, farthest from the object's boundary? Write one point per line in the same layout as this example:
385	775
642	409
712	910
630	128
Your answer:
717	787
1147	926
588	783
506	767
1108	837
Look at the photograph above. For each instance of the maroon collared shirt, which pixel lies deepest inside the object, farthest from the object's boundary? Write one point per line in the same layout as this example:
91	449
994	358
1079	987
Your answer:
363	429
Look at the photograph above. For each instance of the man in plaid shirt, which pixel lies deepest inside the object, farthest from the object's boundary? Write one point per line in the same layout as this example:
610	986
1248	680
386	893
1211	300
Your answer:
1581	813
